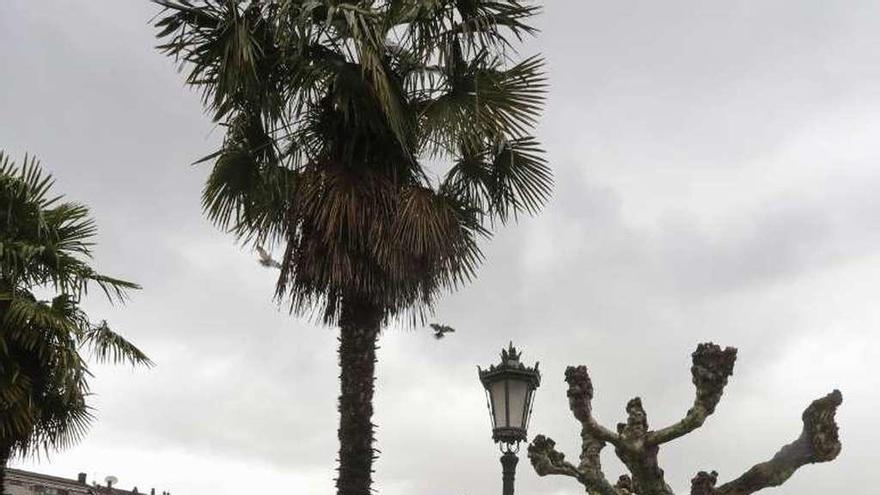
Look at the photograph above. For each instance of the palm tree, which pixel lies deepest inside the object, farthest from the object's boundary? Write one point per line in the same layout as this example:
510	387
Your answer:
45	246
376	142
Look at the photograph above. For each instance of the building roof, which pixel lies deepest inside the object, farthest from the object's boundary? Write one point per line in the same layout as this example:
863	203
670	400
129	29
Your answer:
27	478
73	487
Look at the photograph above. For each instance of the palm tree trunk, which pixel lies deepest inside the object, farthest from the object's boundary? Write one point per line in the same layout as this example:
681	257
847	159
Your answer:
5	452
359	327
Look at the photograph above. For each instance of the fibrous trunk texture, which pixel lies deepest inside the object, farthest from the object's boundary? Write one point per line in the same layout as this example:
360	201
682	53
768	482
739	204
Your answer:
359	330
5	453
637	446
5	450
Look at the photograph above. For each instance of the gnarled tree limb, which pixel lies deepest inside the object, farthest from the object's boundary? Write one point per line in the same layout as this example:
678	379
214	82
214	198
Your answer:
710	371
580	401
639	456
819	442
547	460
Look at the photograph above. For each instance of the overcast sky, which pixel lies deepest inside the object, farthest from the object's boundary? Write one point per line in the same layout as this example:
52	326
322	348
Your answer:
717	167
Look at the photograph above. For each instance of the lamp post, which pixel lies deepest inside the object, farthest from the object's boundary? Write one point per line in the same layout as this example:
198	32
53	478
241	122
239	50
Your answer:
510	390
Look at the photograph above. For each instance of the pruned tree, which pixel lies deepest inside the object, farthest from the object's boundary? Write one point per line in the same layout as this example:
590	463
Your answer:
637	446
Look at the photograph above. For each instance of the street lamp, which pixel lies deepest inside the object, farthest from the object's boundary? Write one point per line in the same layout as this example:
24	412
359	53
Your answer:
510	390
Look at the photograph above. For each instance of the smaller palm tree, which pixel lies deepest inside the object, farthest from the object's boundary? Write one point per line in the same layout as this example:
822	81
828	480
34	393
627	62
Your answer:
45	248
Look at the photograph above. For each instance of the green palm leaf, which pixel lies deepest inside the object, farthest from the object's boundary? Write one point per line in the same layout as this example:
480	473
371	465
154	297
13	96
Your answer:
108	346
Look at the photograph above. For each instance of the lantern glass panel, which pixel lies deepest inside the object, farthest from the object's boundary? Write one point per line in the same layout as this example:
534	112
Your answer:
528	410
498	394
518	391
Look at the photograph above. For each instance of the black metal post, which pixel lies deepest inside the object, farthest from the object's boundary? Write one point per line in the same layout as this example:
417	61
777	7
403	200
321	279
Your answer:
508	463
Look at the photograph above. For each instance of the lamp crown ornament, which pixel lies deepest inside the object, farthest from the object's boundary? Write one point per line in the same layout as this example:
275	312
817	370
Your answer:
510	359
509	356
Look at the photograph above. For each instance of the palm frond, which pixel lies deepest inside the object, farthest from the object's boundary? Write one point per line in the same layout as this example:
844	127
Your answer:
483	103
332	110
505	179
109	346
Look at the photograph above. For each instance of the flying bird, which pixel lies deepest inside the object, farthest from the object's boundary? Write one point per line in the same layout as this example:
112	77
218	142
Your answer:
440	331
267	260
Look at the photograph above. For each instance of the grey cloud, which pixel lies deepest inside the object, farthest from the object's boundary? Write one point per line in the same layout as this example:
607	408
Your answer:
716	174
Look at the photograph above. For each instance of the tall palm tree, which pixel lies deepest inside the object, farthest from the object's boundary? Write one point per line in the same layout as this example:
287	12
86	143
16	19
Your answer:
375	142
45	246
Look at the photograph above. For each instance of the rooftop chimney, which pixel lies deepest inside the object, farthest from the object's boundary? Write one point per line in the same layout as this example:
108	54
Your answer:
81	478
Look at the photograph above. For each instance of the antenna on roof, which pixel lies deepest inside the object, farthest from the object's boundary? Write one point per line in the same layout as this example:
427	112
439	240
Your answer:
111	480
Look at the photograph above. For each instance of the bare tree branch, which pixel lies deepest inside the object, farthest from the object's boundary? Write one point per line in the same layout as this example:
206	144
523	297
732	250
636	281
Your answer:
636	426
580	401
547	460
591	450
819	442
704	483
710	371
639	456
624	485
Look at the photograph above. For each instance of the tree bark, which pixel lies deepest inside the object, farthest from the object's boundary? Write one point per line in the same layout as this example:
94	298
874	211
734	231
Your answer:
359	325
819	442
5	453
